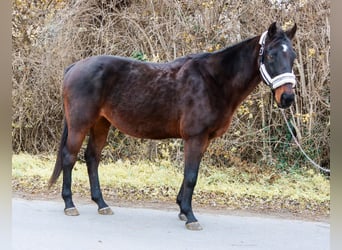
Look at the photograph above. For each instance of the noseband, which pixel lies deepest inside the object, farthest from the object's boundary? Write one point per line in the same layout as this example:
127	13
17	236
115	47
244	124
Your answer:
278	80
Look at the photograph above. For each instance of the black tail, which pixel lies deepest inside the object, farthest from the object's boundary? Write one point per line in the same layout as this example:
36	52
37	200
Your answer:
58	166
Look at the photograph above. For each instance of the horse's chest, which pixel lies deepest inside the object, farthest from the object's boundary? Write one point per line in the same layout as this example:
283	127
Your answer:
220	127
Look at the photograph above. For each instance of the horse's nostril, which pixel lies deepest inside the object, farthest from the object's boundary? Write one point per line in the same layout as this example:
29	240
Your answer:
287	99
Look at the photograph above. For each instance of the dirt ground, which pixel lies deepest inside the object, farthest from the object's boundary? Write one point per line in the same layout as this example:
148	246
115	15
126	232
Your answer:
165	205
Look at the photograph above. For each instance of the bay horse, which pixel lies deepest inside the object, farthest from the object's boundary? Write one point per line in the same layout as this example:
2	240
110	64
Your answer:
193	98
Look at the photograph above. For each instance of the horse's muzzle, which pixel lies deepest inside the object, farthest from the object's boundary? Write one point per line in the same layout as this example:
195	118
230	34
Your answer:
286	100
284	95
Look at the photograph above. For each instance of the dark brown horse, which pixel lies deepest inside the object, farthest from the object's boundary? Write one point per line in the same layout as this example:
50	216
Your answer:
193	98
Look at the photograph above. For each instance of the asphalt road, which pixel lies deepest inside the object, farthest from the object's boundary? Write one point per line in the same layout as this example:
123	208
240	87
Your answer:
43	225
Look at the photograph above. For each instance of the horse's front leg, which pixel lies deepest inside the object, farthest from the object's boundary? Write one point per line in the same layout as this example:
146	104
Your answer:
193	150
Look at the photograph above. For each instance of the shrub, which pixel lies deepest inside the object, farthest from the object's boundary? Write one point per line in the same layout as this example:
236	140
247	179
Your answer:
50	35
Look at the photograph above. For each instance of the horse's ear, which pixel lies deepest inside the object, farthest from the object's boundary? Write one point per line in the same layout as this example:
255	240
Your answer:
272	30
291	32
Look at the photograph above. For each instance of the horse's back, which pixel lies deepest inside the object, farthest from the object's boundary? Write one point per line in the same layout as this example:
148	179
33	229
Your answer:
115	69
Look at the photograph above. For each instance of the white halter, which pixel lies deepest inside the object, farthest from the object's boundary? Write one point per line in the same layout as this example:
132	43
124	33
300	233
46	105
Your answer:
278	80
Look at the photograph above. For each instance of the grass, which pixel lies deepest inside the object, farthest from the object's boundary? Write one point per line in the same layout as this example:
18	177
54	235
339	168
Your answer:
252	188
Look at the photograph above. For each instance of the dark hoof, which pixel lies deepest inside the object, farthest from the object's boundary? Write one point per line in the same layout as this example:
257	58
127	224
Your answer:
72	211
193	226
105	211
182	217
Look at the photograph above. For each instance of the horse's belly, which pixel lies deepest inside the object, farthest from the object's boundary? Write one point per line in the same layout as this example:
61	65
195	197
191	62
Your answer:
144	126
147	131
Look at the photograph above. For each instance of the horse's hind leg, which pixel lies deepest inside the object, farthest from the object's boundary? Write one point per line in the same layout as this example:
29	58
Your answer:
69	152
97	140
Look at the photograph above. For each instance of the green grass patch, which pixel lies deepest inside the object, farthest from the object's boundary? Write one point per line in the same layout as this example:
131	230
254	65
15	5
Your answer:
240	187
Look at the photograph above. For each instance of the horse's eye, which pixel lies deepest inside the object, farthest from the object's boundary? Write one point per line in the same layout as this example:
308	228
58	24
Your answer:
269	57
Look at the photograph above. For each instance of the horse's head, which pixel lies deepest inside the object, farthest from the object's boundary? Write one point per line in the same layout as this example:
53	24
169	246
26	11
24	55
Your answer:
276	59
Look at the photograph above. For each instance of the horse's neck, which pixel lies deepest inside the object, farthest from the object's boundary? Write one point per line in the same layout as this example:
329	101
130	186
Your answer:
237	68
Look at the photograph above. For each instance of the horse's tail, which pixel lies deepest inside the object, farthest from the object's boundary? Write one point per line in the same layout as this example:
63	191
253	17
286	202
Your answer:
59	162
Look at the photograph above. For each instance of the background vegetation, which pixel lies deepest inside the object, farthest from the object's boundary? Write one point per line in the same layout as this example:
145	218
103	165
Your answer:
48	35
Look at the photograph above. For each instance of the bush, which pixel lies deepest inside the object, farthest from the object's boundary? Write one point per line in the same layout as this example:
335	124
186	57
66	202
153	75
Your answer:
50	35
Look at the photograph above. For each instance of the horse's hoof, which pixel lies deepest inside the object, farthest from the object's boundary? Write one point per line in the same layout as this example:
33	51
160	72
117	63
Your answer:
105	211
72	211
182	217
193	226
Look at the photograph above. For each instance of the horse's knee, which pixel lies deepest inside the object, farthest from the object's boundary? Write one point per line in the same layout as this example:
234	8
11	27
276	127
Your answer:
190	179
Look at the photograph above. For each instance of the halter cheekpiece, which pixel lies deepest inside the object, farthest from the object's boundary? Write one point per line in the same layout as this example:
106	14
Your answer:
278	80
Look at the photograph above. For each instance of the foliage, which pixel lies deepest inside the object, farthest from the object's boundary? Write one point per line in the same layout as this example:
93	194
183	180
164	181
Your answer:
50	35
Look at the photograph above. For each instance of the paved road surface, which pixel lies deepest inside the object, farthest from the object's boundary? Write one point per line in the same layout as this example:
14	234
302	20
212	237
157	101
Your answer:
41	225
